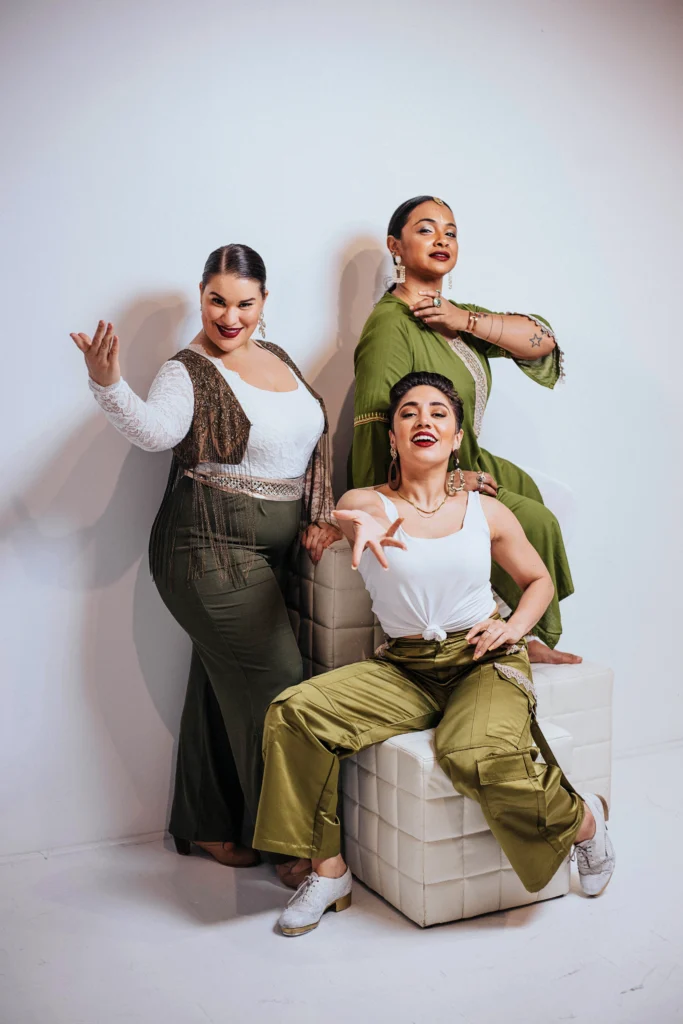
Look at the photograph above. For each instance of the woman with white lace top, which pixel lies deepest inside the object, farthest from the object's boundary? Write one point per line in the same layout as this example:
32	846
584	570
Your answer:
250	474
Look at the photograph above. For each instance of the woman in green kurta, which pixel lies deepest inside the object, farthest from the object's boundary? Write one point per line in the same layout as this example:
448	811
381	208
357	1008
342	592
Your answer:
413	328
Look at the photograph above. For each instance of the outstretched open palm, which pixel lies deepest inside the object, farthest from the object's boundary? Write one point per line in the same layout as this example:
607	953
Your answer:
368	533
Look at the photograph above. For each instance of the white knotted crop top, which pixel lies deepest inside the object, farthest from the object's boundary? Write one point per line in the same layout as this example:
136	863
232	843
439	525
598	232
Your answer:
439	585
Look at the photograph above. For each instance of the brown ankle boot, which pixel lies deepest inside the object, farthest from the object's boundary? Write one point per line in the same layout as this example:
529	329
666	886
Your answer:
230	854
293	879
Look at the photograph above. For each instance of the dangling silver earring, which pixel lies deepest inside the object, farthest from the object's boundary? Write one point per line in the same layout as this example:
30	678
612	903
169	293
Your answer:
399	274
262	326
450	281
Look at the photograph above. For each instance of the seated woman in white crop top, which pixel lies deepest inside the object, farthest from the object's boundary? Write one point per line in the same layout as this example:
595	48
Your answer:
423	545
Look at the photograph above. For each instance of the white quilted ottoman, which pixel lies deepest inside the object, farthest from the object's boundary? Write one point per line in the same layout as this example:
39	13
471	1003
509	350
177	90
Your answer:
408	835
422	846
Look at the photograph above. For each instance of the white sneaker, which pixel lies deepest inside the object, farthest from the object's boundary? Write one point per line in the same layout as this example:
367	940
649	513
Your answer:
595	857
314	896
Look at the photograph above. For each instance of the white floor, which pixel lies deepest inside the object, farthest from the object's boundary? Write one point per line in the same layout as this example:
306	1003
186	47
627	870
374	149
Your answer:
138	934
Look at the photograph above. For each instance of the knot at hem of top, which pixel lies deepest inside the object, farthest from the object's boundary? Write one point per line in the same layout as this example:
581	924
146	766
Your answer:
432	632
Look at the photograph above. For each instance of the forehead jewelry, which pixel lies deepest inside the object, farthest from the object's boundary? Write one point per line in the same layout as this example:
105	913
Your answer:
439	201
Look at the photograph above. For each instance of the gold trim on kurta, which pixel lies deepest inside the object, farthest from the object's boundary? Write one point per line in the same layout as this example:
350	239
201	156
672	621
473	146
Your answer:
370	417
481	387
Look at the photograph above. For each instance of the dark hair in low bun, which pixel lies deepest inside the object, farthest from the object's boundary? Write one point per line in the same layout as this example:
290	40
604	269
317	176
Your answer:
423	378
236	259
401	214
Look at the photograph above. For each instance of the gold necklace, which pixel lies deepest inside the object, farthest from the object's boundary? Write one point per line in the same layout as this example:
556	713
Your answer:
423	511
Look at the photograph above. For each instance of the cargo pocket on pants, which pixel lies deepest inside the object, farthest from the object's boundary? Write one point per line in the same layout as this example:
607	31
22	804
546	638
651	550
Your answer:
510	791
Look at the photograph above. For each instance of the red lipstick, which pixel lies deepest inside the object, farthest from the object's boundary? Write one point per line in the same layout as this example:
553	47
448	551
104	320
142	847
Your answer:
228	332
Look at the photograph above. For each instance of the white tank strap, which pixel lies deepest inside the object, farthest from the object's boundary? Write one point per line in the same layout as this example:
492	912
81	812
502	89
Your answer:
475	515
389	507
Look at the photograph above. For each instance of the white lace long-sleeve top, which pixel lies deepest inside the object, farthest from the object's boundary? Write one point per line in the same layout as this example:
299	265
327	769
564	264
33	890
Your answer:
285	425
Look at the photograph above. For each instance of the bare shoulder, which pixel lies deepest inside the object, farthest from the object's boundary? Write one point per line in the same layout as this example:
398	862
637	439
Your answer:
365	498
500	519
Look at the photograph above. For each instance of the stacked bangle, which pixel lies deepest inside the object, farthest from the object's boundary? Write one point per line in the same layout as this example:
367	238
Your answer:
472	320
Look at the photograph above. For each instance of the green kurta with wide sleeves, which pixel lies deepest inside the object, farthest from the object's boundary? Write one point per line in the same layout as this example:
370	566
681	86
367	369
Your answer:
394	343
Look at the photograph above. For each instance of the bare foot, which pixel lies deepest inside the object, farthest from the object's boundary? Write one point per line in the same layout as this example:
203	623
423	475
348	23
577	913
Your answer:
539	654
293	872
330	867
587	829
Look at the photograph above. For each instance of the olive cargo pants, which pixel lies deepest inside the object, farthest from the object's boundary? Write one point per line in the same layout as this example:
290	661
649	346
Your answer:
484	714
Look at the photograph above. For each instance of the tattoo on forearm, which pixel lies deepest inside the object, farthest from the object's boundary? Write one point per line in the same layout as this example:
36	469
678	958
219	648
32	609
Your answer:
536	340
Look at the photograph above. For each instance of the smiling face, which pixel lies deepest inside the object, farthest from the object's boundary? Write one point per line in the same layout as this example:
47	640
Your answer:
424	430
428	245
231	307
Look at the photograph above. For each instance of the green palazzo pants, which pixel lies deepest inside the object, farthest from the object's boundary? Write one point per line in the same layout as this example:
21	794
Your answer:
243	653
484	713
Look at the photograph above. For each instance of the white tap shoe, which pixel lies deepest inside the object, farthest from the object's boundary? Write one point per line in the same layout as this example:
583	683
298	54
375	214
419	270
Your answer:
595	857
314	896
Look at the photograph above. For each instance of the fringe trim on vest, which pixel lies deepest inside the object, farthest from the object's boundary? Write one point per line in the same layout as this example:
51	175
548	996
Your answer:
219	433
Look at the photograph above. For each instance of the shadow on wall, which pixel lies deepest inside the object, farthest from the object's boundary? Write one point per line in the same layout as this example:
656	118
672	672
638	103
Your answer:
82	525
61	535
362	271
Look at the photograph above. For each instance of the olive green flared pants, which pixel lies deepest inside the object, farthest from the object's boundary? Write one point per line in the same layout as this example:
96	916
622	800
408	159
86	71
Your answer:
243	653
487	741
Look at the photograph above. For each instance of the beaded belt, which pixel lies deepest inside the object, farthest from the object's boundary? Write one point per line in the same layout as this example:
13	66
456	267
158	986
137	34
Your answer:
254	486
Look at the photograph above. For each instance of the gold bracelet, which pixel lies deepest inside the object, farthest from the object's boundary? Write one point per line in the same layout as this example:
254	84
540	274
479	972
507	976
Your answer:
472	321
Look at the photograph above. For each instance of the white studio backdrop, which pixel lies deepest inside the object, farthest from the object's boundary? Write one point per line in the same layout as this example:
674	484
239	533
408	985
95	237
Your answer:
140	136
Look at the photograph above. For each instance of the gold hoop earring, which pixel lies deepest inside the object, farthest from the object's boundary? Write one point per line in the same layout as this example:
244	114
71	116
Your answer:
451	488
394	477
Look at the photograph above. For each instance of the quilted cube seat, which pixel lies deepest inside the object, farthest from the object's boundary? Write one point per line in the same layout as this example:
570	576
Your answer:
408	835
423	847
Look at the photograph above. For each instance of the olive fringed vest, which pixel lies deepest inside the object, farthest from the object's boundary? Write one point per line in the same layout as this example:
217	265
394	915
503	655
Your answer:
219	433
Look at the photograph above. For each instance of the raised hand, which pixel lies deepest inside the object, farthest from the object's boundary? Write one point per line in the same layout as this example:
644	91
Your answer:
101	354
369	533
446	318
